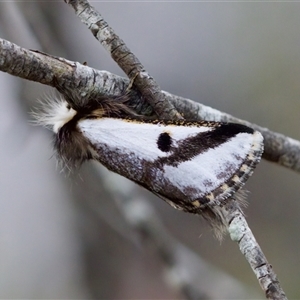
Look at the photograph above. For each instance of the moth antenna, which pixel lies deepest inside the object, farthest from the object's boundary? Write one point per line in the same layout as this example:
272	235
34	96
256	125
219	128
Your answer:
116	106
105	106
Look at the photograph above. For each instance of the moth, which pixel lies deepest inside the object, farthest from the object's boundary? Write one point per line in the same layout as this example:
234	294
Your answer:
193	166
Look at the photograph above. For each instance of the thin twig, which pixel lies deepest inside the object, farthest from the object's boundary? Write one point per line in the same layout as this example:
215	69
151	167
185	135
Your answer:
126	60
241	233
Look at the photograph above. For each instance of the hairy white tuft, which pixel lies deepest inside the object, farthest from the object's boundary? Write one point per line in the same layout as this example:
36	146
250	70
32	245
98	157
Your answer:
53	113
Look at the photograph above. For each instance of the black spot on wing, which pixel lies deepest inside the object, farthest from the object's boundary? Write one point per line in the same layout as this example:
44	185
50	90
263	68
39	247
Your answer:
164	142
192	146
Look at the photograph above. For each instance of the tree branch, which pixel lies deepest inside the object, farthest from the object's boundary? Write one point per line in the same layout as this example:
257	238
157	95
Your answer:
74	76
61	73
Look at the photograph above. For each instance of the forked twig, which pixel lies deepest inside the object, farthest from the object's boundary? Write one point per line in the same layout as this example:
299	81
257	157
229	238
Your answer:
70	75
237	225
126	60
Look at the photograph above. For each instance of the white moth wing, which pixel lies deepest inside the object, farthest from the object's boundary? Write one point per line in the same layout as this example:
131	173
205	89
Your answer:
133	136
130	149
209	170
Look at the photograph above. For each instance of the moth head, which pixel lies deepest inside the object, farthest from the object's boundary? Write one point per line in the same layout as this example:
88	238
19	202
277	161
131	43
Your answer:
70	145
61	115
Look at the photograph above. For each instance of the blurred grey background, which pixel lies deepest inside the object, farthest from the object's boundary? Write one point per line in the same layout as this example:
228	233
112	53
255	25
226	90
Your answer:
241	58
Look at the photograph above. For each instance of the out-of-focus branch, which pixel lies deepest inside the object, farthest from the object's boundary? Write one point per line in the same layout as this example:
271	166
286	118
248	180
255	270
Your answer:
186	272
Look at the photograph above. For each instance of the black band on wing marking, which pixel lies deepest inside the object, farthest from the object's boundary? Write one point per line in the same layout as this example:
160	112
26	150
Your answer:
202	142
